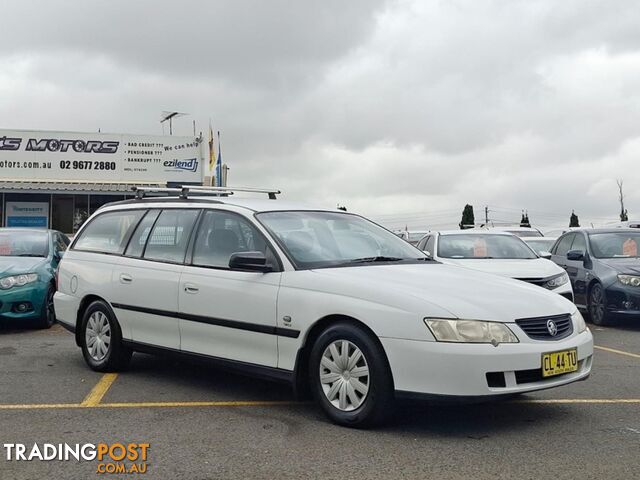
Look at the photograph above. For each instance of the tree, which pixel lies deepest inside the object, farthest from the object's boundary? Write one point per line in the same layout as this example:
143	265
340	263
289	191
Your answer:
342	207
524	221
623	211
573	221
468	220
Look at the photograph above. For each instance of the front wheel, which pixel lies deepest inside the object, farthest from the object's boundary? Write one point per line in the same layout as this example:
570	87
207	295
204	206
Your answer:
48	316
350	377
598	305
102	346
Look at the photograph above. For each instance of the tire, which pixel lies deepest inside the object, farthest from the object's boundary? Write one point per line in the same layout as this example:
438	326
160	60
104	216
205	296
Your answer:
598	306
48	316
105	353
349	400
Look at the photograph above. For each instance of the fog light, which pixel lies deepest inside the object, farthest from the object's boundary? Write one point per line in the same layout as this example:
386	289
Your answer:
22	307
629	305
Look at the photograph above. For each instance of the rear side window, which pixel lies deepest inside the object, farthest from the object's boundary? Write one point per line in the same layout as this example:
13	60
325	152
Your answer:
139	239
564	244
170	235
109	232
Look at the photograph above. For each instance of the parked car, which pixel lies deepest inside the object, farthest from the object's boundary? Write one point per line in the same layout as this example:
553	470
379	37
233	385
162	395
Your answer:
497	252
325	300
604	268
514	230
28	261
413	237
540	245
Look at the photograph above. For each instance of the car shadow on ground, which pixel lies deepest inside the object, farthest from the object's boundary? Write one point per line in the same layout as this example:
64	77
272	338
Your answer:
460	420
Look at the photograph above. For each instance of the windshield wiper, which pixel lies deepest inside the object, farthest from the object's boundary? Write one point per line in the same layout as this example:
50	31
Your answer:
29	255
379	258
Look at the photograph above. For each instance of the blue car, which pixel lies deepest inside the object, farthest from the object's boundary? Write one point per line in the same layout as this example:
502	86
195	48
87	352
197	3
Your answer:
28	261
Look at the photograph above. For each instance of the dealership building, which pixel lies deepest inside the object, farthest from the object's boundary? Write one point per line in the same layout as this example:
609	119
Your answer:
57	179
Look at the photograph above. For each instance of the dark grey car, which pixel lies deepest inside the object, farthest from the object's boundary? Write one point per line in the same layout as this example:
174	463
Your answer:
604	268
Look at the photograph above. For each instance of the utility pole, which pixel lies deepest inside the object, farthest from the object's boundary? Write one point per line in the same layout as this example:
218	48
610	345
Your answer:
486	216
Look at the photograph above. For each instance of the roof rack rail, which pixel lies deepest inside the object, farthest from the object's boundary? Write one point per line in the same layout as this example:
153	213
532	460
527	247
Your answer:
185	190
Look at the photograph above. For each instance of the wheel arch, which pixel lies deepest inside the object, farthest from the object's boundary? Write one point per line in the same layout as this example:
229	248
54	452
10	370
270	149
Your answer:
84	304
300	382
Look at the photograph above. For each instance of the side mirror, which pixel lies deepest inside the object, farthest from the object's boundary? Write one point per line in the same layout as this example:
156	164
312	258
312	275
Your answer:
427	253
58	254
575	255
545	254
249	262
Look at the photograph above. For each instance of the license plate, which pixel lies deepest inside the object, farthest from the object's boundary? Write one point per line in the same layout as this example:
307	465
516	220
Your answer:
557	363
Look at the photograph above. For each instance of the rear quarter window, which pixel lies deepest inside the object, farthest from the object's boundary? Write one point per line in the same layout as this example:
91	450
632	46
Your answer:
108	232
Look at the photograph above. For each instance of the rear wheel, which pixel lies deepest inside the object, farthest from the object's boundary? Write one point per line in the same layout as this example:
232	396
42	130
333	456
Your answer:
102	345
598	305
350	377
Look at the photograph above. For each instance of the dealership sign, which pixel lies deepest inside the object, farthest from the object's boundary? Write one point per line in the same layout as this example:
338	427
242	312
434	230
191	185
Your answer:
60	156
27	214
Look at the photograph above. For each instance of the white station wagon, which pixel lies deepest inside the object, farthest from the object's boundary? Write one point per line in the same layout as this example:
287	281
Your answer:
326	300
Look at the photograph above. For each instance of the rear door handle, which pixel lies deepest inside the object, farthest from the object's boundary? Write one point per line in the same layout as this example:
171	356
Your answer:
125	278
189	288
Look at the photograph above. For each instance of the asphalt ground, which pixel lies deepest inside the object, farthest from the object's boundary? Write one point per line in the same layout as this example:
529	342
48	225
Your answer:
204	423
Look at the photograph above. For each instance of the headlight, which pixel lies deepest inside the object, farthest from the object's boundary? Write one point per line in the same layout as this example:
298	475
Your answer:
632	280
578	322
470	331
18	280
556	281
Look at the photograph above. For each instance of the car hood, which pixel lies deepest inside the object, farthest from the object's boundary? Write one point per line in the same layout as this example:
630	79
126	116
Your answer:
435	287
514	268
622	265
17	265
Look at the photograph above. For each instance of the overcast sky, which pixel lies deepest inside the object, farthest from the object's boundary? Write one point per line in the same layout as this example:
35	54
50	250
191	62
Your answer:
401	110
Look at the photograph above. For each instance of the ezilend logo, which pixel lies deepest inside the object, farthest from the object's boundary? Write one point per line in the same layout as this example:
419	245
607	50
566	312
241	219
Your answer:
190	165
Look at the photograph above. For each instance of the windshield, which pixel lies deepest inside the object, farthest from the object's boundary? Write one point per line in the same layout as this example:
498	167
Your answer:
328	239
483	246
541	245
23	244
615	245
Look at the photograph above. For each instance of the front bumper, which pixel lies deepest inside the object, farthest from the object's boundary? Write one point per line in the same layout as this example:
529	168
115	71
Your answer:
623	300
460	369
32	294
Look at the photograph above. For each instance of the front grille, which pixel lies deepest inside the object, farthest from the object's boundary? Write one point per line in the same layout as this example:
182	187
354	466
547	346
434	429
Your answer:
537	328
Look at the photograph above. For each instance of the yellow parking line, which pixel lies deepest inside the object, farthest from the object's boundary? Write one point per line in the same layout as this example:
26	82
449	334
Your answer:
40	406
241	403
619	352
95	395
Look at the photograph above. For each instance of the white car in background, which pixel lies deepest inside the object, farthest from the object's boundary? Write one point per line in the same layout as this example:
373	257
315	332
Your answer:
322	299
540	245
496	252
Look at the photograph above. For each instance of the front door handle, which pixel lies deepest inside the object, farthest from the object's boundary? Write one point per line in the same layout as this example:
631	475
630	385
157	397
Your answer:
125	278
189	288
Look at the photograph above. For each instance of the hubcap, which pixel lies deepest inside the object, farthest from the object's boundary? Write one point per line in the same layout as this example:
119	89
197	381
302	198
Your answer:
344	375
98	336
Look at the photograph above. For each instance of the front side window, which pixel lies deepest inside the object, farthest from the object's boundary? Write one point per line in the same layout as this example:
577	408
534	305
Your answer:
170	235
483	246
564	244
579	243
615	245
109	232
332	239
23	243
222	234
431	240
